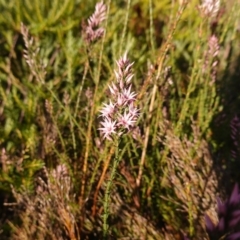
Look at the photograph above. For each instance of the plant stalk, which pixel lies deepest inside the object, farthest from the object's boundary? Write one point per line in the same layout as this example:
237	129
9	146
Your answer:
108	190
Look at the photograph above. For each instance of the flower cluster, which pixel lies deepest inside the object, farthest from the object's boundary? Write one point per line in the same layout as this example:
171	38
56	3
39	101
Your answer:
120	114
210	8
36	65
211	59
93	31
229	218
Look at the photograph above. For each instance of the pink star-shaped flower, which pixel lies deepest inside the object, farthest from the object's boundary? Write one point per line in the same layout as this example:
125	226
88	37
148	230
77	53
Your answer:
113	89
133	111
128	95
107	110
108	128
126	120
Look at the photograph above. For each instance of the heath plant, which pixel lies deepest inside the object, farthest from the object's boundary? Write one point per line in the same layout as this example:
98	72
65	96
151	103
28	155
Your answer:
119	119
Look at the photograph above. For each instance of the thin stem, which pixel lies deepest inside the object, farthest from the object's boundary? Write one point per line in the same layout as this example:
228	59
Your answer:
108	190
161	59
106	164
92	112
151	26
125	25
81	88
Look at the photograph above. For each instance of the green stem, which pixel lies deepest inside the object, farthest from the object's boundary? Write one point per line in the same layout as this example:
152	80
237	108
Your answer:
108	190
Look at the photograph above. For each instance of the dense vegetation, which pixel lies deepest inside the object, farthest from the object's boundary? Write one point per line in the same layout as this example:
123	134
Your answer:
176	159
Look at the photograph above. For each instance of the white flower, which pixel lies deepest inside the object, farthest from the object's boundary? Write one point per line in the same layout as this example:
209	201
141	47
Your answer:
129	78
108	128
210	7
120	100
128	95
126	120
108	109
133	111
113	89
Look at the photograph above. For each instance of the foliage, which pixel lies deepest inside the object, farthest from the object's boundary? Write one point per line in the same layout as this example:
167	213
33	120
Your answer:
184	152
